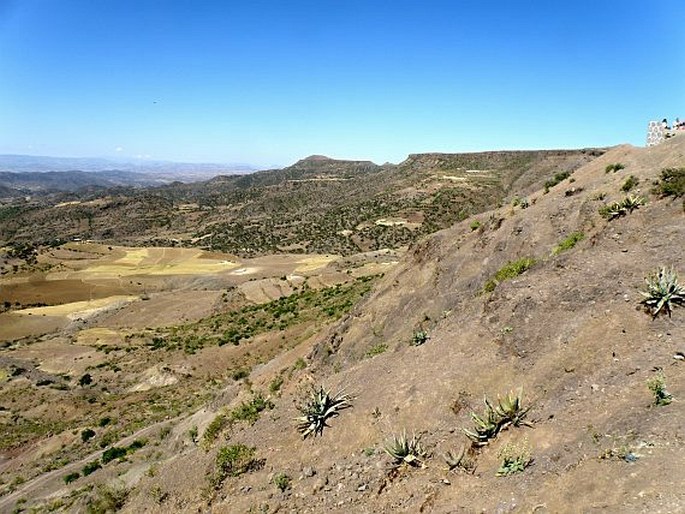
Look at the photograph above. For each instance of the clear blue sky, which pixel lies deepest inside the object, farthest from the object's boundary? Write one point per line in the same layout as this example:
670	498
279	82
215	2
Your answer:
271	81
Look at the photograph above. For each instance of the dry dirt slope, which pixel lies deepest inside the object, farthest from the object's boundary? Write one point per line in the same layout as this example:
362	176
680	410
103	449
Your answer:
568	331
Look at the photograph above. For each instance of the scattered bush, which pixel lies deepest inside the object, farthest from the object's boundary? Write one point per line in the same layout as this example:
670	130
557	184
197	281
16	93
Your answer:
90	468
282	481
405	450
233	461
214	429
475	225
276	384
614	167
556	179
419	338
240	373
319	408
87	434
630	183
249	411
107	499
515	458
672	183
68	479
510	270
115	452
657	385
663	291
376	349
568	243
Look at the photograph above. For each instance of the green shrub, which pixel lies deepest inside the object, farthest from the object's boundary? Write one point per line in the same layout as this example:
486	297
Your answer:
568	243
282	481
657	385
275	384
107	499
320	407
630	183
556	179
376	349
90	468
475	225
68	479
614	167
663	291
671	183
510	270
233	461
87	434
240	373
115	452
249	411
214	429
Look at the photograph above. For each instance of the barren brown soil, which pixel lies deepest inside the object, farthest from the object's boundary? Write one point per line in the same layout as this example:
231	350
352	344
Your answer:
569	332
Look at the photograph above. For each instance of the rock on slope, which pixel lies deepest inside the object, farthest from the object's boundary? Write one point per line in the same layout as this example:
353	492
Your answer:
569	331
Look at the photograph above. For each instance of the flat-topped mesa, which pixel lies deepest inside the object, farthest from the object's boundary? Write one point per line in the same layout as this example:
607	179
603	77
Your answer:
319	165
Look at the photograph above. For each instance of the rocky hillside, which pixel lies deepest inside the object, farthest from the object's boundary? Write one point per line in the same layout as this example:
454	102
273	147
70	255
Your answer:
569	331
537	299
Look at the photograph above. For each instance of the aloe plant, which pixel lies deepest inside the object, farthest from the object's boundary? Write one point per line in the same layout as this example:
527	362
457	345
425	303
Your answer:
485	427
663	291
320	407
625	206
405	450
511	411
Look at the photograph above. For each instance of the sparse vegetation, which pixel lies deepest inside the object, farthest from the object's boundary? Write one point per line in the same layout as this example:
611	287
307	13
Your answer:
275	384
515	458
614	167
91	467
657	385
474	225
320	407
233	461
510	270
213	430
671	183
377	349
282	481
572	240
107	499
249	411
419	337
663	292
556	179
71	477
631	182
405	450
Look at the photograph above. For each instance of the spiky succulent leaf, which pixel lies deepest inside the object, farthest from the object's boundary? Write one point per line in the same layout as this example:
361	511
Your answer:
321	407
663	291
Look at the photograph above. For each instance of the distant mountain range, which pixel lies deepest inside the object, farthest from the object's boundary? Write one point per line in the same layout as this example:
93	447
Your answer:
30	174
